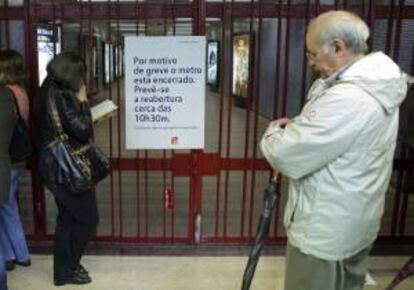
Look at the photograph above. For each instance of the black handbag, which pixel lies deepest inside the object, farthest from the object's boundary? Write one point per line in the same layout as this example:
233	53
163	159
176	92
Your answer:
79	168
21	144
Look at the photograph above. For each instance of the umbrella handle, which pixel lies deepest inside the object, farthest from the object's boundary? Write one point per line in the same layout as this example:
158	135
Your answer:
275	176
270	196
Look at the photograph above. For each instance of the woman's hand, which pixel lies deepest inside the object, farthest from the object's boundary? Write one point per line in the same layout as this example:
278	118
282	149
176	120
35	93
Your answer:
81	94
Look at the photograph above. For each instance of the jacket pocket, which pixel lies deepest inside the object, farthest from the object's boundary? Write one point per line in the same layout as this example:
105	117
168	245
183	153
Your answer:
303	206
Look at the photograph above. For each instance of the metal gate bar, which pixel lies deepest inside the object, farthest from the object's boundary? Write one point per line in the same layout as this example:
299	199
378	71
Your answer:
252	103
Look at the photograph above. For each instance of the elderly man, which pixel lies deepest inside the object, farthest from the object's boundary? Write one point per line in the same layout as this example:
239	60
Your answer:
338	154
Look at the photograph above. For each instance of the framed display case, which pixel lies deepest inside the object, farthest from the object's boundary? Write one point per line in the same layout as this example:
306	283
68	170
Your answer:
121	67
242	48
49	43
213	63
89	48
118	60
108	59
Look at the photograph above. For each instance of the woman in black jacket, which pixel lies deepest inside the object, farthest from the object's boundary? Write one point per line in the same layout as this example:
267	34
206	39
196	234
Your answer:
77	213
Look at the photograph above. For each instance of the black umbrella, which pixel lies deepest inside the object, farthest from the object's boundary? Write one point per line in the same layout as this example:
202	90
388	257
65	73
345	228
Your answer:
404	273
271	196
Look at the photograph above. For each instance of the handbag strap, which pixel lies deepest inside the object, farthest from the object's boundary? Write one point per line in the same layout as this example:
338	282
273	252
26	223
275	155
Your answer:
54	114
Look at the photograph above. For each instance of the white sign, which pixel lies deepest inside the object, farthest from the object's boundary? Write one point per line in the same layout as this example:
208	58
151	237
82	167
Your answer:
165	92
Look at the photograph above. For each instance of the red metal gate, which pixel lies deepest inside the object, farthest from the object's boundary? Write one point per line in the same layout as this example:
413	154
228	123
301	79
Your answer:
217	192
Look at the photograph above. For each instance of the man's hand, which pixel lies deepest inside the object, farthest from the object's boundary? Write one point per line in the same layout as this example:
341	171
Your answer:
282	122
275	175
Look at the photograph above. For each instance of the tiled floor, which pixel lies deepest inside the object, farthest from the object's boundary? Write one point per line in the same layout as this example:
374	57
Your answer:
182	273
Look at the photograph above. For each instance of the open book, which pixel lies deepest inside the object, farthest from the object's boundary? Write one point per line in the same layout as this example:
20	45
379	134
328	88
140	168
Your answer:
103	110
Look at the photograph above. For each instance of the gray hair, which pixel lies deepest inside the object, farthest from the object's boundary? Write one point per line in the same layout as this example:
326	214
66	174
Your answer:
349	28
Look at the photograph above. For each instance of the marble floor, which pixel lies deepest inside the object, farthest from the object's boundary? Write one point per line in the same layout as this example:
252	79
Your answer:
182	273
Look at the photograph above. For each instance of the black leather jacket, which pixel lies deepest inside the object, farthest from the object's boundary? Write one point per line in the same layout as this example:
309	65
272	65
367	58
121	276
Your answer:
75	118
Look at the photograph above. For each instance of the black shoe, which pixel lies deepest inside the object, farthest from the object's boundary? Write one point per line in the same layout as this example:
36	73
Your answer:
81	271
26	263
10	265
76	279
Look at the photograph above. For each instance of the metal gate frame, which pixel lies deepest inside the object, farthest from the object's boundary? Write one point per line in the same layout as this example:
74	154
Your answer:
197	163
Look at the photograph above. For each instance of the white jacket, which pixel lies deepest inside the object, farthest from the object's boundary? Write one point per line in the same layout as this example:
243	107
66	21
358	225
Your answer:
338	154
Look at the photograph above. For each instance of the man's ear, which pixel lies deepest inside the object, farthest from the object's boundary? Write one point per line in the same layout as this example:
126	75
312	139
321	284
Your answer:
338	45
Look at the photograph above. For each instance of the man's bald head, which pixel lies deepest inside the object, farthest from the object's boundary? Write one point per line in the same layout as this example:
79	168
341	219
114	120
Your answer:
342	25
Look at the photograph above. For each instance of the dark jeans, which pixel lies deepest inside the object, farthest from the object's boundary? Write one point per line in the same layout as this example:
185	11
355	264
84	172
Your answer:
76	221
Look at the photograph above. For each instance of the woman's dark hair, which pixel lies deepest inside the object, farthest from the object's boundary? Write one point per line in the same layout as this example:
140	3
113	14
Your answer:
12	68
67	70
